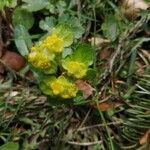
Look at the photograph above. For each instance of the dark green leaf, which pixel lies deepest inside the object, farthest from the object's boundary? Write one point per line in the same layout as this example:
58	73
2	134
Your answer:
110	28
84	53
91	76
23	17
22	40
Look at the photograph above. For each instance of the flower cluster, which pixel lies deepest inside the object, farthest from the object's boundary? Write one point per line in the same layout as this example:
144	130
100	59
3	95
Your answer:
43	54
63	88
47	57
76	68
54	44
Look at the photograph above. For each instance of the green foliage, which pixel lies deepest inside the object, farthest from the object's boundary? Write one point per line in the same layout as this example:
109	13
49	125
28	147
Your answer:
22	40
65	32
51	34
32	5
111	28
47	24
84	53
23	17
8	3
74	23
10	145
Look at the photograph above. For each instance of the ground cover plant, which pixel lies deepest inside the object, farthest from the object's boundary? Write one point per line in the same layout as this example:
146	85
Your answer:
74	74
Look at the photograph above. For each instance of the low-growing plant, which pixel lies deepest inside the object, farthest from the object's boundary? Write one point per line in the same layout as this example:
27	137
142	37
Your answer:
58	64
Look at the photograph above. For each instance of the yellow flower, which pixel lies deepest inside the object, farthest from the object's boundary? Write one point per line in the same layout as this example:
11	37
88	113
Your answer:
62	87
76	69
54	44
39	59
57	87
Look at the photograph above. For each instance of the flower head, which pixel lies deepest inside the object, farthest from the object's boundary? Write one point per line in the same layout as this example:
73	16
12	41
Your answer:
63	88
39	57
54	44
77	69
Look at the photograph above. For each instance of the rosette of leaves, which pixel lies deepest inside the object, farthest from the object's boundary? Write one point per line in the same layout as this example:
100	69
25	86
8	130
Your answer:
44	55
77	64
61	87
75	67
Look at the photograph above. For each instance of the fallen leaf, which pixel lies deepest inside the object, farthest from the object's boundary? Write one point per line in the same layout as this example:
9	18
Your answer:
106	53
131	8
13	60
85	87
145	138
105	106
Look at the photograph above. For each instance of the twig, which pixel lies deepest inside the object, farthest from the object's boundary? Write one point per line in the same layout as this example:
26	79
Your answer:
84	120
99	125
85	143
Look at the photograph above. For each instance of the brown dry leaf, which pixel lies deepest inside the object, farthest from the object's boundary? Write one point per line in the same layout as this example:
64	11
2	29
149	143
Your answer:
13	60
105	106
85	87
145	138
131	8
106	53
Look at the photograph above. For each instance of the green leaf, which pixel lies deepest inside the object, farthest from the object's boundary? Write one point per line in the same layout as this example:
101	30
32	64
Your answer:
44	85
61	6
110	28
47	24
91	75
23	17
74	23
35	5
22	40
66	52
8	3
64	32
84	53
10	146
52	69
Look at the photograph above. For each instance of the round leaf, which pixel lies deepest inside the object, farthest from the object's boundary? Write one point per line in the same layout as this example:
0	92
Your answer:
84	53
23	17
